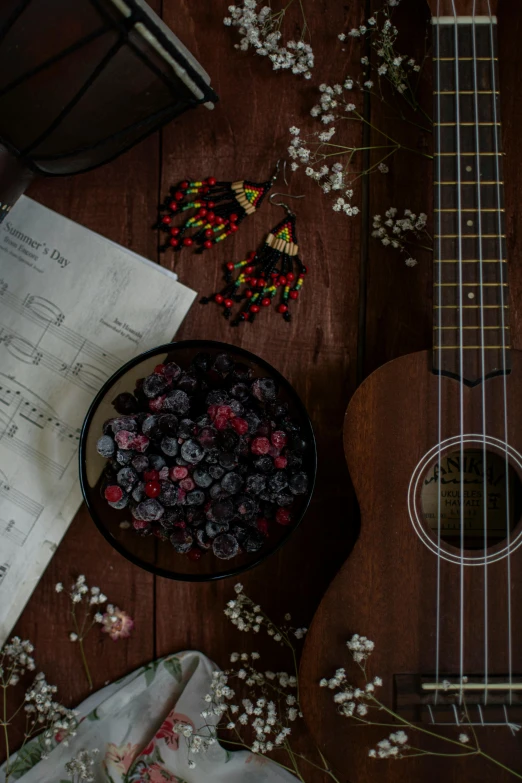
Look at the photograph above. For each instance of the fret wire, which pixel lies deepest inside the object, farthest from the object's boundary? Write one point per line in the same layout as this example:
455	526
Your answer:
474	284
471	307
469	236
471	327
470	260
467	154
452	124
470	209
469	347
466	92
452	59
469	182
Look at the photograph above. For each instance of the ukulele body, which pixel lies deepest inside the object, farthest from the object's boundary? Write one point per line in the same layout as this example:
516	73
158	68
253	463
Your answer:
387	589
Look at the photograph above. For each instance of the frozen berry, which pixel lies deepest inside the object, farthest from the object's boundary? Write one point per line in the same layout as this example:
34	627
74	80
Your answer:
187	484
156	404
231	483
168	424
264	464
284	499
260	446
202	478
127	423
178	473
242	372
227	460
152	489
264	389
293	460
149	425
140	443
192	451
188	383
255	483
239	391
240	425
195	498
151	475
221	422
169	494
113	493
126	478
177	401
203	540
186	429
223	363
277	482
225	546
138	492
298	483
181	540
278	439
121	503
262	526
216	471
246	507
124	439
171	371
195	555
105	446
254	541
164	473
202	361
169	446
280	463
207	437
125	403
140	524
216	397
213	529
150	510
154	385
283	517
156	461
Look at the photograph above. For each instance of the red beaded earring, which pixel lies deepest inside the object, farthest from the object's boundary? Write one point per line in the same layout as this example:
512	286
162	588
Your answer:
219	207
274	267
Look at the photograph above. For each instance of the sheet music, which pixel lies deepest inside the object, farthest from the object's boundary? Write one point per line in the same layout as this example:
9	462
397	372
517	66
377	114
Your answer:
74	307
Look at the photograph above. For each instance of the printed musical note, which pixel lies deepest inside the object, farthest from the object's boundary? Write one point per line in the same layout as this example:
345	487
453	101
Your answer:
4	568
18	513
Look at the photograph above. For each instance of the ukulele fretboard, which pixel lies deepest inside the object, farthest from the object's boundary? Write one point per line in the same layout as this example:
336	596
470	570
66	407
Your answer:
471	302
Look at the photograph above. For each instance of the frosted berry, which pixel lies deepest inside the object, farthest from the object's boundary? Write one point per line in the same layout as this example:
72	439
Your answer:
283	516
260	446
278	439
192	451
178	473
240	425
113	493
105	446
225	546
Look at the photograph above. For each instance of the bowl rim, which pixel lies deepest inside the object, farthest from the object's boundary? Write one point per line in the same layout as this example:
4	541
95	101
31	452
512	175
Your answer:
166	348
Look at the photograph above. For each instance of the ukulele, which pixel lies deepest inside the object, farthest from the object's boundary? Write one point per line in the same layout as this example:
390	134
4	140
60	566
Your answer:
433	442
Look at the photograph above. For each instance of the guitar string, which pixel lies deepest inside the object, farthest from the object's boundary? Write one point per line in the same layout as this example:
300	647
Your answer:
439	379
503	324
478	175
461	350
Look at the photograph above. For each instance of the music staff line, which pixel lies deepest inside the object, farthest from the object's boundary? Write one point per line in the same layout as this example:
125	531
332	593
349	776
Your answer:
35	414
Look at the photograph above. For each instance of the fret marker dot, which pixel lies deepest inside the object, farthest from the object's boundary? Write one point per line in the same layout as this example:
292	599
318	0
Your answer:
470	223
469	168
471	295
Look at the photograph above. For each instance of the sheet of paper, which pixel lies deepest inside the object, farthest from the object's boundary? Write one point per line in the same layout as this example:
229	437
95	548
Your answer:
74	307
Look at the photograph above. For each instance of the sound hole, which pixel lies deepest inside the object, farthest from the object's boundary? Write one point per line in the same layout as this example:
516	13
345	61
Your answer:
462	488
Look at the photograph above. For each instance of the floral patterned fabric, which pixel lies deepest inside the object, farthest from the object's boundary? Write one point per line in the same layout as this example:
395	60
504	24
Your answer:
132	722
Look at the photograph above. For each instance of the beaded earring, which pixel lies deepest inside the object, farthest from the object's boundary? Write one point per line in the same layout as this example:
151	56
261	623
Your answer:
274	266
219	207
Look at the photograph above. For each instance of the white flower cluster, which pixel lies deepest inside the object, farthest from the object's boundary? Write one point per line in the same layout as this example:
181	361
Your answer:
15	660
391	748
360	647
79	590
260	30
81	766
353	702
396	232
42	710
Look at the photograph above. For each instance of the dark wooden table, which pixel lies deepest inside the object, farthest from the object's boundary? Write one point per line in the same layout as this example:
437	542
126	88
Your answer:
361	307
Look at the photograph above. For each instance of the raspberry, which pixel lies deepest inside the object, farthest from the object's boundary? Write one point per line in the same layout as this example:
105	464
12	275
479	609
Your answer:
140	524
159	369
260	446
151	475
279	439
262	526
212	411
124	439
283	517
140	443
280	463
240	425
187	484
156	404
178	473
113	493
152	489
221	422
225	410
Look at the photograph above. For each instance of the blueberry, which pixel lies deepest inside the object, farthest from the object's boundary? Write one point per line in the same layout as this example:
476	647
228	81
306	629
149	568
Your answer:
216	493
253	541
255	483
240	391
225	546
169	493
124	456
125	403
216	471
140	462
149	425
240	533
154	385
298	483
253	421
228	440
195	517
223	363
181	540
128	423
203	540
237	408
202	478
186	428
246	506
181	462
264	389
119	504
187	383
241	372
216	397
171	371
212	456
277	482
207	437
284	499
169	446
231	483
138	493
169	518
156	461
202	361
150	510
195	498
105	446
126	478
168	424
222	511
192	451
227	461
176	401
213	529
264	464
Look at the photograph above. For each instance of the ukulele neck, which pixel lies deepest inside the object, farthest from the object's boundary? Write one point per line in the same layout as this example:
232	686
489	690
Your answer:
471	302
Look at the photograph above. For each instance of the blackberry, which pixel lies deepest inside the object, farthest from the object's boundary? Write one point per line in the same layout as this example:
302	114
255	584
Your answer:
105	446
202	478
186	428
126	478
240	391
169	446
231	483
293	460
168	424
168	495
223	363
125	403
154	385
216	471
187	383
168	520
228	440
225	546
277	482
192	451
284	499
255	483
181	540
195	498
207	437
264	464
216	397
298	483
195	517
150	510
176	401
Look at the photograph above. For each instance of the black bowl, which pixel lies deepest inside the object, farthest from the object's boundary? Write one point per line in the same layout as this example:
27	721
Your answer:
149	552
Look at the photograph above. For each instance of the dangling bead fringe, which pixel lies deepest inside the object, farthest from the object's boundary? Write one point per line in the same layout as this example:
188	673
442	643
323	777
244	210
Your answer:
274	266
219	207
